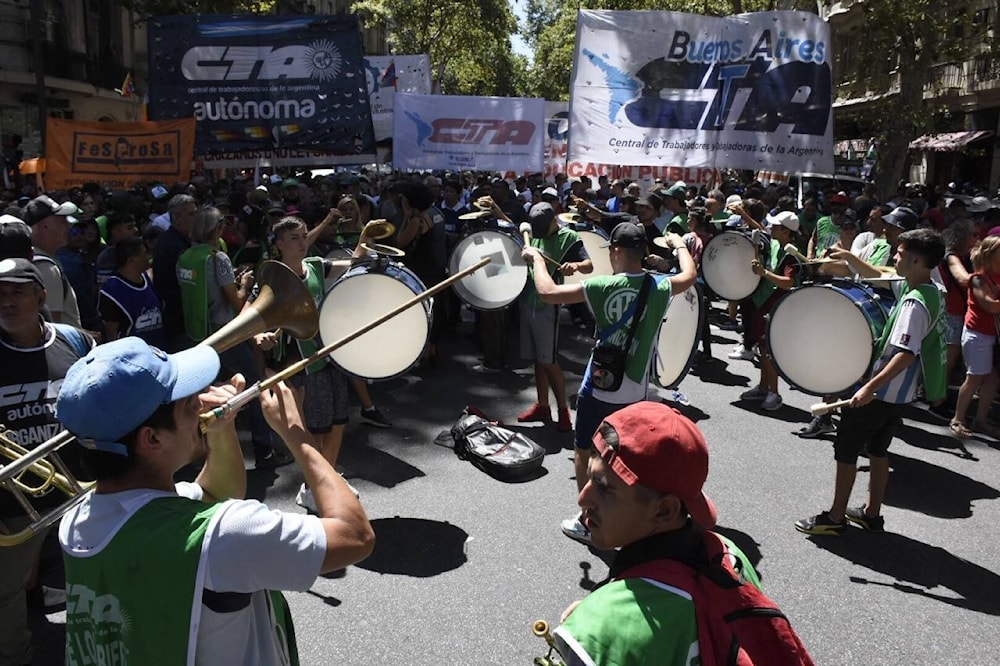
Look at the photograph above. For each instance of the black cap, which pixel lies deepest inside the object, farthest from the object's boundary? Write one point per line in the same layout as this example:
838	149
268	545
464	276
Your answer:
20	271
542	213
902	218
15	238
42	207
628	234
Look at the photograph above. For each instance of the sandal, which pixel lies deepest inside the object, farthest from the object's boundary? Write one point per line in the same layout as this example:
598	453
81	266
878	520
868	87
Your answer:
959	430
987	429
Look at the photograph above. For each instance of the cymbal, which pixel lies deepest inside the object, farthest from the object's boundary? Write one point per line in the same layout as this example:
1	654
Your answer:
571	218
478	215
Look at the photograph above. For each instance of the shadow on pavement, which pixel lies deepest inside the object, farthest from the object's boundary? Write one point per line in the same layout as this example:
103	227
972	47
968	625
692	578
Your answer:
785	413
932	490
377	466
716	371
415	547
932	441
918	569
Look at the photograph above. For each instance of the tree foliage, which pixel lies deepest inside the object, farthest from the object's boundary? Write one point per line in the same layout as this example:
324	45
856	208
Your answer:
147	8
468	41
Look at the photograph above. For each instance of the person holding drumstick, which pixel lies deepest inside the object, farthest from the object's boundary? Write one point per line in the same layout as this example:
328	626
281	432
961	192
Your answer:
606	294
910	351
324	386
187	573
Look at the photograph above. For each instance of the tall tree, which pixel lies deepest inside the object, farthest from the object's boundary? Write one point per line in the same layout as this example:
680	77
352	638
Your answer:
147	8
468	41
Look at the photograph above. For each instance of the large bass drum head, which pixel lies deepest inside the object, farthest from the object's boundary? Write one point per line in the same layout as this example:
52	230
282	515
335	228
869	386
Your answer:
678	337
725	266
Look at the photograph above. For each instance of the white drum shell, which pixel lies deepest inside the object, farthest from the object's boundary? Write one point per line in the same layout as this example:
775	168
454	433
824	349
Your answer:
725	266
678	337
500	282
593	240
360	297
820	340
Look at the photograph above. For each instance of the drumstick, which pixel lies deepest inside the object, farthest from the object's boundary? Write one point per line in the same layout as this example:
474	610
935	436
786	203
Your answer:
794	251
821	408
525	230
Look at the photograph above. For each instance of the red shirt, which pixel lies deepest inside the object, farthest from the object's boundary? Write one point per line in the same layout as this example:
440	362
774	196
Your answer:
976	317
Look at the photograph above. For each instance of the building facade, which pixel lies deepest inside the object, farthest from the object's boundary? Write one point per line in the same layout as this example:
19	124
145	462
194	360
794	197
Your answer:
961	144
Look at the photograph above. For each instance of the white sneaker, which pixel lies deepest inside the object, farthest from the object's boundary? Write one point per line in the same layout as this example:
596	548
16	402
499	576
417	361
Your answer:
756	393
772	402
741	353
574	529
305	499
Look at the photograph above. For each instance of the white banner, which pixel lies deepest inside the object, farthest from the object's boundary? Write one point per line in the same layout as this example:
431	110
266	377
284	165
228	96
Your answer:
468	133
388	75
556	147
753	91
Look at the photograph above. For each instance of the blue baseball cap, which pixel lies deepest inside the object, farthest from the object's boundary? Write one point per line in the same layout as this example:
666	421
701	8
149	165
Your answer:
117	386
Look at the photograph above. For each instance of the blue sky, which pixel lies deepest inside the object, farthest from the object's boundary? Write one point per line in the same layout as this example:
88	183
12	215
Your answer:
517	44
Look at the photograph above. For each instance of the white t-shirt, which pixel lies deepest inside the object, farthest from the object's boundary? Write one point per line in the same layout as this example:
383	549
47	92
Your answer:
251	549
59	295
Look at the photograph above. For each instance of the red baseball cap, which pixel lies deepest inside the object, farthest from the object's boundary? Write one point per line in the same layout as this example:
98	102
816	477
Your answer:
663	450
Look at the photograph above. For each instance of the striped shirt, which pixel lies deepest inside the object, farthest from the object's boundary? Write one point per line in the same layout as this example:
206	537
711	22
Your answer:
912	324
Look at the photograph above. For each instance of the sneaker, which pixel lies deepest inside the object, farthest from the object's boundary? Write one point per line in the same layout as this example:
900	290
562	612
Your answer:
820	425
487	367
730	325
821	525
858	516
537	412
942	411
565	420
772	402
273	458
305	499
375	418
756	393
741	353
574	529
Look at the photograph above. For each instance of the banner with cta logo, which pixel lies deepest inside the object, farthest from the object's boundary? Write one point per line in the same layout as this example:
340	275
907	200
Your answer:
468	133
264	83
751	91
117	155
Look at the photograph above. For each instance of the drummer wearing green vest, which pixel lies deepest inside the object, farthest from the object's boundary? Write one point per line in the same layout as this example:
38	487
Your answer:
911	351
187	573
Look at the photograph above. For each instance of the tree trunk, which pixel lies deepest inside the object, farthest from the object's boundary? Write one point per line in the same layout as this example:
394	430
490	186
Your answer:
902	115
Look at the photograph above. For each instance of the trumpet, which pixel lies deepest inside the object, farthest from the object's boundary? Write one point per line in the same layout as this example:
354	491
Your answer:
552	658
284	302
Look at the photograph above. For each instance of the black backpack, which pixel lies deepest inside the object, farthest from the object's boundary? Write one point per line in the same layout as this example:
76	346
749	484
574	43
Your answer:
498	451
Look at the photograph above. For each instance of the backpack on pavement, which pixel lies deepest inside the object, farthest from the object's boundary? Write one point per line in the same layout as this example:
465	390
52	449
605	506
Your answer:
498	451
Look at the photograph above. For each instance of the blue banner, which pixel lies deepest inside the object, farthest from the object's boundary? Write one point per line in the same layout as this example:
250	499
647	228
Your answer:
263	83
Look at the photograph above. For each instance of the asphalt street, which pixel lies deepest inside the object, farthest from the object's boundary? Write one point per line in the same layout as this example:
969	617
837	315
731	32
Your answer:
464	563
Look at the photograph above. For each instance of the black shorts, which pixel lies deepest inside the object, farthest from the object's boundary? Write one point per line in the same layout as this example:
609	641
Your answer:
325	401
872	425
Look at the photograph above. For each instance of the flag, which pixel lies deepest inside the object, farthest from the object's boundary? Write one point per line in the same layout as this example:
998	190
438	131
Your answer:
128	88
389	75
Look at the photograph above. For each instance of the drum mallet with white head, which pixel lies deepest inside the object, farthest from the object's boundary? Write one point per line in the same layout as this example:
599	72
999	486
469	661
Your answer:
821	408
794	251
525	230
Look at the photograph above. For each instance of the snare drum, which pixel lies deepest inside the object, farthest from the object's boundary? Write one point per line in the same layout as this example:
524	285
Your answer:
725	265
822	337
365	293
595	240
678	337
501	281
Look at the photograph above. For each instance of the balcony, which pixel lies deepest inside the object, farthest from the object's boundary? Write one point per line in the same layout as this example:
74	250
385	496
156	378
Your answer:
65	64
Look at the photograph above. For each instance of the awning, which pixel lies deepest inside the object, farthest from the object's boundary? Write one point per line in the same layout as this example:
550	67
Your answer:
948	141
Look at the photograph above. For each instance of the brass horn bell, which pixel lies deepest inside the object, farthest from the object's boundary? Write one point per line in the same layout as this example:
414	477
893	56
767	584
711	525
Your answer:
284	302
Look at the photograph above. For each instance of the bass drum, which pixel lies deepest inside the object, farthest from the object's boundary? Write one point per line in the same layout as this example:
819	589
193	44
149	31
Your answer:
595	241
499	283
678	337
822	337
365	293
725	265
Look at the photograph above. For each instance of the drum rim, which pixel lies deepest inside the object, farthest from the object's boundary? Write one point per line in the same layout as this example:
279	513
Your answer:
774	359
427	304
694	347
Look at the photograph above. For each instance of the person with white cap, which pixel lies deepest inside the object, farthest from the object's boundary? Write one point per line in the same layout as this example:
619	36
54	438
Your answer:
780	272
644	495
187	573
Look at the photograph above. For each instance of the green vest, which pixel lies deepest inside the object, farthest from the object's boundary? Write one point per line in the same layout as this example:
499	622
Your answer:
827	235
933	350
315	284
681	220
555	246
192	276
771	262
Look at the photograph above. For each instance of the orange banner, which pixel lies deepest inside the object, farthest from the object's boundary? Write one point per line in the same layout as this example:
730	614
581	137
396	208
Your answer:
118	155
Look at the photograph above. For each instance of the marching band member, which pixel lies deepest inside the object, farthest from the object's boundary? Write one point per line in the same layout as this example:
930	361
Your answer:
540	320
910	351
627	250
187	573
